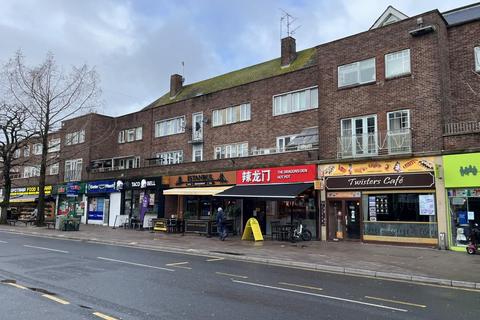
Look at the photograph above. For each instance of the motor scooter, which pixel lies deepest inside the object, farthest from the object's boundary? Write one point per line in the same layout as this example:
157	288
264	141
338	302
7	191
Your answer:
473	240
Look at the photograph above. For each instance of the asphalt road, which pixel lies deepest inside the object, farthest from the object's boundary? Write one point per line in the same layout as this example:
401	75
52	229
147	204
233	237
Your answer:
62	279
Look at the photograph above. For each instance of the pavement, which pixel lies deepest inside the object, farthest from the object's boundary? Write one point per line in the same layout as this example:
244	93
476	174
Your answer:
417	264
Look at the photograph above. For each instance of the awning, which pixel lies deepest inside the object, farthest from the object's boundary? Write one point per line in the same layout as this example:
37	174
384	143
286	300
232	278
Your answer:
273	191
23	198
200	191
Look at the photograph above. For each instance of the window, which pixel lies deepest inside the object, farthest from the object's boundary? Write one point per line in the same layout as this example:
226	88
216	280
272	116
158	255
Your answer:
399	135
397	63
75	137
283	141
130	135
477	59
295	101
123	163
231	115
31	171
54	145
359	136
170	126
37	148
73	170
398	120
356	73
26	151
53	169
197	152
231	150
16	154
170	157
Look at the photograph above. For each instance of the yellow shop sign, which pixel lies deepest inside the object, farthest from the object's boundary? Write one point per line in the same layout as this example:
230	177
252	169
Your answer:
462	170
28	191
378	167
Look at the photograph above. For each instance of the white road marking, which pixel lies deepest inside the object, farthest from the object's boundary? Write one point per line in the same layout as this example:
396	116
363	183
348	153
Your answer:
3	241
231	275
397	301
103	316
135	264
300	286
15	285
42	248
179	265
319	295
53	298
215	259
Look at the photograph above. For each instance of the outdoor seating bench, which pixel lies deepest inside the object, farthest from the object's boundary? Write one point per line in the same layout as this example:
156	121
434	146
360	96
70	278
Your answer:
11	222
50	224
27	221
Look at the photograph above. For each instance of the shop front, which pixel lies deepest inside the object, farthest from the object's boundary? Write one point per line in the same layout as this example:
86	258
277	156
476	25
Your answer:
70	198
276	196
24	200
141	199
383	201
191	199
462	181
103	202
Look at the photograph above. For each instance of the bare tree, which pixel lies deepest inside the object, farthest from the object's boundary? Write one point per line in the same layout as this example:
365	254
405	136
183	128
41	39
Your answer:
50	96
14	132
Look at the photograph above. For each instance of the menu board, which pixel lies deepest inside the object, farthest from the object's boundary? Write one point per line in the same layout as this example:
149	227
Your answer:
381	204
426	204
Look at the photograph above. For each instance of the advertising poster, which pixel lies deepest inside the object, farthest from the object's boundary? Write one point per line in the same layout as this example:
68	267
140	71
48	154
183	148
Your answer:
95	209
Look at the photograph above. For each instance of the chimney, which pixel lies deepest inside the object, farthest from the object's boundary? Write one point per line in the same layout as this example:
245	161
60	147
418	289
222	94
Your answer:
176	84
289	51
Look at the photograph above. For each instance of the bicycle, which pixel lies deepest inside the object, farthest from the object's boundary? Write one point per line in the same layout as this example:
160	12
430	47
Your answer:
299	233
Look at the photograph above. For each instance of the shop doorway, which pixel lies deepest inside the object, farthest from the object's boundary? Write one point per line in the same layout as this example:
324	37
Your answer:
257	209
344	219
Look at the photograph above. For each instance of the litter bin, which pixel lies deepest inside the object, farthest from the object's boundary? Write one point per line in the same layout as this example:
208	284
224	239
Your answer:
59	222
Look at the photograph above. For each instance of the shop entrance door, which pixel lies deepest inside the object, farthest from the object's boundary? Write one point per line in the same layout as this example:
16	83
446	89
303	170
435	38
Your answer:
344	219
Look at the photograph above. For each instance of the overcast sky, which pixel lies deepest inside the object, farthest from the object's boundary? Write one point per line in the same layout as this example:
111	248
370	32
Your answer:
136	45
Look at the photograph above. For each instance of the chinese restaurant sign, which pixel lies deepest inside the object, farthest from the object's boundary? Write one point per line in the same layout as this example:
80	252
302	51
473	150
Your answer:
462	170
378	167
203	179
386	181
292	174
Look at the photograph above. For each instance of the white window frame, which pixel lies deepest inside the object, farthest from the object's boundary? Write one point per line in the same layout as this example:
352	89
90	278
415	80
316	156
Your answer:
121	136
170	126
76	137
477	58
356	67
195	148
281	139
407	111
37	149
232	114
31	171
73	170
16	154
26	151
290	102
54	169
170	157
365	145
138	133
130	135
232	150
54	145
403	57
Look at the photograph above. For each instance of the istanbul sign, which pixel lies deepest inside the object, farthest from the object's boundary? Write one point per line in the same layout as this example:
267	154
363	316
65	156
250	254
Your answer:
388	181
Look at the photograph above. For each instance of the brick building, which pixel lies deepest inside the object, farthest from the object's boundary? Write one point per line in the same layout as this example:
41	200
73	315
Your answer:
391	100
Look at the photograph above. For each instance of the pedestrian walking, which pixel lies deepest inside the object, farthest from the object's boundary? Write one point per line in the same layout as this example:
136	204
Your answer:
221	224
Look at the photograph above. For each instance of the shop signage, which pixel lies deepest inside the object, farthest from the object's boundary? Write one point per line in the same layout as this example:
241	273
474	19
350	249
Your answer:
203	179
344	194
23	191
462	170
147	183
292	174
378	167
101	186
73	189
387	181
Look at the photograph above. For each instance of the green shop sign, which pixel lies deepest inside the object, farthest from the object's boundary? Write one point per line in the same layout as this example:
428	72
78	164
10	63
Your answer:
462	170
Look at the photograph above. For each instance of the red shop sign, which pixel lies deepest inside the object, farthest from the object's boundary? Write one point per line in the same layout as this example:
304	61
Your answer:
292	174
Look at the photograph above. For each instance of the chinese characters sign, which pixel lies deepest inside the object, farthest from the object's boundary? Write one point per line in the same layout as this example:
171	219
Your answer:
292	174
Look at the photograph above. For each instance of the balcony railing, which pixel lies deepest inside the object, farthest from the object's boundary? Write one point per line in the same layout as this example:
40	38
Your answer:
464	127
375	143
263	151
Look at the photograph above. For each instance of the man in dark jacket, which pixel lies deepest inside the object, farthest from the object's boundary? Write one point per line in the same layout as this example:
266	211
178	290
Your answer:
221	224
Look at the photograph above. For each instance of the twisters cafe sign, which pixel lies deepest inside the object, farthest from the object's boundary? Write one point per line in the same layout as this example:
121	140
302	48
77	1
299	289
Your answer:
203	179
395	174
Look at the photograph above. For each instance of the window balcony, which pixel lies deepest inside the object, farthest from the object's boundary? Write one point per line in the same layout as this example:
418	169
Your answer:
114	164
375	143
458	128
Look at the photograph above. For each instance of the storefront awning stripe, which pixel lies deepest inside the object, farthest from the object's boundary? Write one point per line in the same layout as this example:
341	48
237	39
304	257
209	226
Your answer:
272	191
200	191
23	198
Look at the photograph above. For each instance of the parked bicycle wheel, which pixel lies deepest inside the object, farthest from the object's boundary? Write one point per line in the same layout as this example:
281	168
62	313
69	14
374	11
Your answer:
306	235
